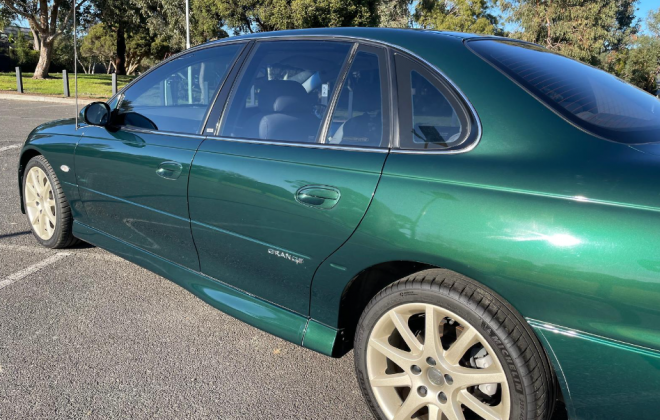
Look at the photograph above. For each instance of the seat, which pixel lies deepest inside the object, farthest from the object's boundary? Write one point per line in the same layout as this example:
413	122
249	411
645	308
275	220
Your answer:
285	113
365	129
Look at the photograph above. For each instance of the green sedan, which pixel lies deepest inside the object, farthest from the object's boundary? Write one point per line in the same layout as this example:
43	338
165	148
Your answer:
477	218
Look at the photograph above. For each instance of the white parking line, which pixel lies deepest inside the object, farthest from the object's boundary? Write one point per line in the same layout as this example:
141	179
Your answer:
32	269
41	250
11	146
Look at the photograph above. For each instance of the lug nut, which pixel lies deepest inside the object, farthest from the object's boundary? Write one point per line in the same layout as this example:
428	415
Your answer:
422	391
430	361
449	379
442	398
416	370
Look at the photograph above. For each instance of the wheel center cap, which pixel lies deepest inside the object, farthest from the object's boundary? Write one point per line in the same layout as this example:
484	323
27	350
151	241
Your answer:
436	377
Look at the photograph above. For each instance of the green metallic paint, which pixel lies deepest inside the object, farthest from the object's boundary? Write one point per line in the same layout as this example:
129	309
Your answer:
561	224
610	391
56	140
320	338
246	220
124	192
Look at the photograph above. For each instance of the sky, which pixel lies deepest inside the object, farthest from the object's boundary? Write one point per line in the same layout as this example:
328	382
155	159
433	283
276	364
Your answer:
644	7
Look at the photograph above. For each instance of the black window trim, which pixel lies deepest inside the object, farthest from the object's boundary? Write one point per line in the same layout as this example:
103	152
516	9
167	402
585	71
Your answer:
394	132
326	115
238	59
382	53
468	119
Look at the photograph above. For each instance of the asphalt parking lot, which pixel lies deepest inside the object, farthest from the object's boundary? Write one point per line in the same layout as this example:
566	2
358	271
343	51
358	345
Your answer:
85	334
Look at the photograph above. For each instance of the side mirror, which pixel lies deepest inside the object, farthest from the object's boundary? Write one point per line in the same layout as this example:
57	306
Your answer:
97	113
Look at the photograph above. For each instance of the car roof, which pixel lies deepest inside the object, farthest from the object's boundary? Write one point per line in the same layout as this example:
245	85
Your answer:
388	35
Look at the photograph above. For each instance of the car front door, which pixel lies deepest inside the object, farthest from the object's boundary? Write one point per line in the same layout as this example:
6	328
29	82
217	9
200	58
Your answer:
133	175
293	166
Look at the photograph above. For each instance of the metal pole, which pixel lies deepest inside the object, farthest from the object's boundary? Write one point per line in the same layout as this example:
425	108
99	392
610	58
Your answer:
65	81
19	80
114	83
187	24
75	59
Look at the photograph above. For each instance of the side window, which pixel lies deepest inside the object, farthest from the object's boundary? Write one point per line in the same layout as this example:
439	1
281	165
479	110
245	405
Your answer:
176	96
284	90
360	117
430	115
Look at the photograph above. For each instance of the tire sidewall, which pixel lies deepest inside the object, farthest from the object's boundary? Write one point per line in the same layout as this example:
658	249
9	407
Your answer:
483	325
40	162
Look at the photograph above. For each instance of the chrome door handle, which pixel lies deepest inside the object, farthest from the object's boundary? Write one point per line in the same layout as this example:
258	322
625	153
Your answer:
169	170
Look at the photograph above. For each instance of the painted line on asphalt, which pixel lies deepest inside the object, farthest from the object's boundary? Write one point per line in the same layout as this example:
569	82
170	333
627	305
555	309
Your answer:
32	269
11	146
42	250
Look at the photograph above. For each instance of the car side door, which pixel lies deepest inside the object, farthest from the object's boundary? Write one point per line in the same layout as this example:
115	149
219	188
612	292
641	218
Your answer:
293	166
133	174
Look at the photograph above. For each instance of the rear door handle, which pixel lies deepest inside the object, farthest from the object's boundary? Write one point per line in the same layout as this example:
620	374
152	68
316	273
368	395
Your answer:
320	196
169	170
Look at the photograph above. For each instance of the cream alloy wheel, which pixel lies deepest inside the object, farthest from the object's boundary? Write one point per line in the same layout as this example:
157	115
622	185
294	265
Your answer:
435	368
40	203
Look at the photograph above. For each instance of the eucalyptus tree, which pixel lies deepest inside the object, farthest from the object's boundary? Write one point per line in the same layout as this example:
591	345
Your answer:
48	19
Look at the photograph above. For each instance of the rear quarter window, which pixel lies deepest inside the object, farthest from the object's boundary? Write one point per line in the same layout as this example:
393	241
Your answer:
591	99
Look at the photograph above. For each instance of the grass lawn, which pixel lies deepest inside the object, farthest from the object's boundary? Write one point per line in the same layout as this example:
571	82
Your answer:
89	85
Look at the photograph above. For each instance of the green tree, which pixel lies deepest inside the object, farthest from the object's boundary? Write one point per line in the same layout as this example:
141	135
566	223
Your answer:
48	18
6	17
394	13
124	18
581	29
22	52
98	46
457	15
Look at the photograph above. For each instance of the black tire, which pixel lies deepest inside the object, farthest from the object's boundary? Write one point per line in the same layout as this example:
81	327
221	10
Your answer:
529	375
62	236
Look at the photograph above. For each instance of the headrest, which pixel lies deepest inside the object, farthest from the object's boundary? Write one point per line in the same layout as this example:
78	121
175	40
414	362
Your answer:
283	96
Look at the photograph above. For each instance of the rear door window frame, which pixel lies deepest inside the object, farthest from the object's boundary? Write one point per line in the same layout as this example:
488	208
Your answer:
221	105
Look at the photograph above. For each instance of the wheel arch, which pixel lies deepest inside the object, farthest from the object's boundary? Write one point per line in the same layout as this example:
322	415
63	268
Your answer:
26	155
365	285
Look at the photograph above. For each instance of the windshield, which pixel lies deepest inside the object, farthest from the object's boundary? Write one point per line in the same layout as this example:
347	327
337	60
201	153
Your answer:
591	99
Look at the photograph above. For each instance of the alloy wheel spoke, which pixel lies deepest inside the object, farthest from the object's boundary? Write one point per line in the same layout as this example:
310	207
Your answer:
453	411
485	411
465	377
49	215
457	350
42	224
409	407
431	329
35	219
434	412
400	357
397	380
35	180
405	332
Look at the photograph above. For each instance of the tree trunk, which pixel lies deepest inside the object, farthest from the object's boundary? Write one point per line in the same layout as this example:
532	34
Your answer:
35	39
120	59
45	56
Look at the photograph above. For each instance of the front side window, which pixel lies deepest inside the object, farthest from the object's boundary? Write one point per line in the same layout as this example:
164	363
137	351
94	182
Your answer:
358	117
430	115
284	90
176	96
592	99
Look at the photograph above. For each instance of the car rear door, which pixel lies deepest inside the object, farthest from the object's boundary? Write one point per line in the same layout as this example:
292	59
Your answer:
133	175
293	165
